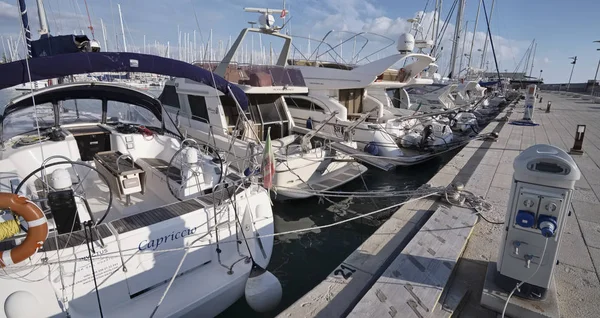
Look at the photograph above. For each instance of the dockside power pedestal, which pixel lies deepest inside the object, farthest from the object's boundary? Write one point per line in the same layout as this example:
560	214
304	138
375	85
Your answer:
529	102
543	182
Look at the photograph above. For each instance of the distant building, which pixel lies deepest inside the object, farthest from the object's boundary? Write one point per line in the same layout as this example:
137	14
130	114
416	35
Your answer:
517	79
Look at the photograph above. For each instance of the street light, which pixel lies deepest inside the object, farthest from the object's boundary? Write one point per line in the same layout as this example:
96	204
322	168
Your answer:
596	76
574	58
540	78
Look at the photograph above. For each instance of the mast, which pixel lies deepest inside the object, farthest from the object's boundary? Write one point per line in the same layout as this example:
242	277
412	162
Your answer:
454	54
44	29
144	44
533	58
462	54
438	6
26	29
473	39
104	35
483	53
122	28
529	51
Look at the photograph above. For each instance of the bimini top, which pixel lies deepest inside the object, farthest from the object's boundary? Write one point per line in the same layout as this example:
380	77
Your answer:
86	90
43	68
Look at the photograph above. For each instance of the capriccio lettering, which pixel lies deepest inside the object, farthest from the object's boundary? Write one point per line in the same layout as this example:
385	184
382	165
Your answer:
153	244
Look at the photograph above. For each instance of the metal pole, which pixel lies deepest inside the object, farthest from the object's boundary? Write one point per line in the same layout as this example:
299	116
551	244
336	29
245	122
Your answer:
462	53
483	53
456	37
474	31
533	59
44	29
570	76
104	35
122	28
595	77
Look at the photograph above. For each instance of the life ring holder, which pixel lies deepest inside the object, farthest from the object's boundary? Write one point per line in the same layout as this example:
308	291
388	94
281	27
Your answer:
37	228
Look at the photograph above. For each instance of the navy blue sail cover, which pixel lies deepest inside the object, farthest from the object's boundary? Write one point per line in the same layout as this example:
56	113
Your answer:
48	67
49	45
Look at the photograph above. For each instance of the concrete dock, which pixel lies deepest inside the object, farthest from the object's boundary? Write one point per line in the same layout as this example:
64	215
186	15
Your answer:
367	283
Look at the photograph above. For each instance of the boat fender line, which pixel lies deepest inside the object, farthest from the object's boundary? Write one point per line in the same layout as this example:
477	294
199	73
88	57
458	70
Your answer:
37	228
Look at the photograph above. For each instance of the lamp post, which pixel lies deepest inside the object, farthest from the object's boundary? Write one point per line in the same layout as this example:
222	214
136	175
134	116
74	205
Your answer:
574	58
596	76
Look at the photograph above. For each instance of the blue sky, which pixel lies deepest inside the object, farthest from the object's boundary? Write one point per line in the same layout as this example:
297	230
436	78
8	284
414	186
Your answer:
562	28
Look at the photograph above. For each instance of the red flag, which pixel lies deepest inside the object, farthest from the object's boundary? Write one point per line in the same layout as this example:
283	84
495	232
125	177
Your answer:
283	13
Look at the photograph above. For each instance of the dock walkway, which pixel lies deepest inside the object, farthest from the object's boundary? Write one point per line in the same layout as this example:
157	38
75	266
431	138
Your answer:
485	168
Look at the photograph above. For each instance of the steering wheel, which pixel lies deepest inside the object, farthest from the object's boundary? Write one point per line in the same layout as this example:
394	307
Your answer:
186	144
78	189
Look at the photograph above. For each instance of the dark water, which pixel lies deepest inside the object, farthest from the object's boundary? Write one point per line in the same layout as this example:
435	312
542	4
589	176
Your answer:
302	261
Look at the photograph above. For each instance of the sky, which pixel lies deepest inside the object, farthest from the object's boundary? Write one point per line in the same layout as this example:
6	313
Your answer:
561	28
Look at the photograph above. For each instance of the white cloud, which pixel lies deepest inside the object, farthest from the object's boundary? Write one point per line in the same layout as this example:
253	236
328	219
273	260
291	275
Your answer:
357	16
8	11
546	60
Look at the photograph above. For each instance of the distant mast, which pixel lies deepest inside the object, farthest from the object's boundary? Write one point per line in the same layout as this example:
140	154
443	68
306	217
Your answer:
455	43
44	29
122	28
104	35
485	44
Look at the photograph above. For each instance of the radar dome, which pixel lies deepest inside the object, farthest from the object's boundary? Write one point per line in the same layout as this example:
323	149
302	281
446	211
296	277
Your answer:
266	21
406	43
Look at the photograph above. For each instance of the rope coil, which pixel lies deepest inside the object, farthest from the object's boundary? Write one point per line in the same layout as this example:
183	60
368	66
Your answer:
9	228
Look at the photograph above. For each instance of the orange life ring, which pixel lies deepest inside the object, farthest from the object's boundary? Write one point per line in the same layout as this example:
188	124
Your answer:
37	228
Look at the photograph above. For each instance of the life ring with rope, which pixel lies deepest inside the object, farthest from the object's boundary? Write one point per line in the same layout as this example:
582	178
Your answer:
37	228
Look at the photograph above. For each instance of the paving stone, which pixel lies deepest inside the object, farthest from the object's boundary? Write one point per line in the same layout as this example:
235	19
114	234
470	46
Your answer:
595	255
574	252
586	211
502	181
591	233
578	291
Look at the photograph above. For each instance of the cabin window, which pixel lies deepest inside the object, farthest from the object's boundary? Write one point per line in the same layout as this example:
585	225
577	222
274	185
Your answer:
80	111
117	112
198	108
169	97
300	103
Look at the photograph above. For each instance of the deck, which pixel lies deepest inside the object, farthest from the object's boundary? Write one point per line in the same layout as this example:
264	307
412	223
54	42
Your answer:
366	283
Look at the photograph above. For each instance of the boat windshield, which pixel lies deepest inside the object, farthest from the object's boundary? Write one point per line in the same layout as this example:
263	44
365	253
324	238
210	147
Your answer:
422	90
27	120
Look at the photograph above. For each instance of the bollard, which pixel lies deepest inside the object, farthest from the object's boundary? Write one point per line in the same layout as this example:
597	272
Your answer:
548	106
578	145
541	99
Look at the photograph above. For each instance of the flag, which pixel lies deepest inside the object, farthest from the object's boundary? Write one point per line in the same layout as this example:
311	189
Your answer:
283	13
268	165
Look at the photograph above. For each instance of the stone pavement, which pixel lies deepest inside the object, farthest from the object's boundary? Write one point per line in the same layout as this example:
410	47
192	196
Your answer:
576	275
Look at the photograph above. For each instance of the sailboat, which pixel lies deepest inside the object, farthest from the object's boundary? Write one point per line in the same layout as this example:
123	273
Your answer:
111	212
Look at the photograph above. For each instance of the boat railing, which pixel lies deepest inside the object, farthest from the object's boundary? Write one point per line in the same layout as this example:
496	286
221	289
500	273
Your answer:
339	49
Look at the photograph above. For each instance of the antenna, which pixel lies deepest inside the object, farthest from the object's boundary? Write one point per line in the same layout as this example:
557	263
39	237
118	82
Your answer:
266	21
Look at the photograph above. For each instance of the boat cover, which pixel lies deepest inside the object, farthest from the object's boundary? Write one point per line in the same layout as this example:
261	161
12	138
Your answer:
48	67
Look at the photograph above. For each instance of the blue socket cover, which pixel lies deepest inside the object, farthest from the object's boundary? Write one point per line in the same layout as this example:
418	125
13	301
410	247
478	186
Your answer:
547	224
525	219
